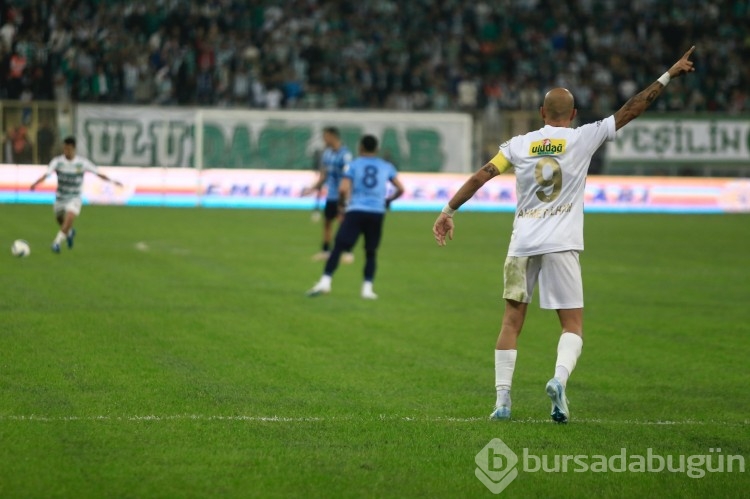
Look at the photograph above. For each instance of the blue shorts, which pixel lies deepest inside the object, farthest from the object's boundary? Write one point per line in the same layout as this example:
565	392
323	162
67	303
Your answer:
360	222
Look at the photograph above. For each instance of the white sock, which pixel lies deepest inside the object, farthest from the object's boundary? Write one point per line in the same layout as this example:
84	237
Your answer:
325	280
367	287
568	351
60	237
562	374
505	364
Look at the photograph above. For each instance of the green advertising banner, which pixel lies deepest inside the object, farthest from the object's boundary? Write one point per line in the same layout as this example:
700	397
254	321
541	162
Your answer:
169	137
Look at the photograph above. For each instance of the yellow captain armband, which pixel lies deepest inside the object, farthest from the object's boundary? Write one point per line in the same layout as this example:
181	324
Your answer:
501	163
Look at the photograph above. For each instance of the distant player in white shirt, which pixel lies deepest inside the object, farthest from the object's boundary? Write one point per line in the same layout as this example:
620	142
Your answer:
550	165
70	169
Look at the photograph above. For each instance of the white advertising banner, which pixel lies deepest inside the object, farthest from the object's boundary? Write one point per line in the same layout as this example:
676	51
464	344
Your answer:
424	191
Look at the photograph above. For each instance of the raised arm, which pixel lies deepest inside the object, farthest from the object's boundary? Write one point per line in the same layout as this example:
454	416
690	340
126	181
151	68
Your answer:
637	104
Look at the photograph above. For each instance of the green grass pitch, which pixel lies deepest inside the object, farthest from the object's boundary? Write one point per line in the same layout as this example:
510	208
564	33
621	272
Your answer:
173	353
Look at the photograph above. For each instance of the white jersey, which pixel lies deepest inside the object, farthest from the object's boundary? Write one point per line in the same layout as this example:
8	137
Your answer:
69	175
550	167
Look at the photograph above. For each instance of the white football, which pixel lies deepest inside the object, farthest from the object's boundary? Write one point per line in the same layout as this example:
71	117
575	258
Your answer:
20	248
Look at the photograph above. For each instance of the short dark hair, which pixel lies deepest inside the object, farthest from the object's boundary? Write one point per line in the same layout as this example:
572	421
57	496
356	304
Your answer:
332	130
369	143
70	141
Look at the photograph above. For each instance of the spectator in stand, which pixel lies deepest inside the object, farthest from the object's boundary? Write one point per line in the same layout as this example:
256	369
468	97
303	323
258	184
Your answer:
16	74
45	140
374	53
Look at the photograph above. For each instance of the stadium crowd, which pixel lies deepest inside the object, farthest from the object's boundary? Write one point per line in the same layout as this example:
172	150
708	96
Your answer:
416	54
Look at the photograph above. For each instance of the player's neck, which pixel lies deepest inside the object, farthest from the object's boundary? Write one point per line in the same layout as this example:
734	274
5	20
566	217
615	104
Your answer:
69	158
562	124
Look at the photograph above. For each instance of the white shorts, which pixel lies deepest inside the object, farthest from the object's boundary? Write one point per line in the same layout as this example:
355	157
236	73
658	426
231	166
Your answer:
559	276
72	206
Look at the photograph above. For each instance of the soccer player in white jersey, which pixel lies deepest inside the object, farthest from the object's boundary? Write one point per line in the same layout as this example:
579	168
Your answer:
550	165
70	169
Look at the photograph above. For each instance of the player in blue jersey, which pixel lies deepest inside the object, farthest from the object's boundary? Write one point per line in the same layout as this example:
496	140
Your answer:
364	192
334	159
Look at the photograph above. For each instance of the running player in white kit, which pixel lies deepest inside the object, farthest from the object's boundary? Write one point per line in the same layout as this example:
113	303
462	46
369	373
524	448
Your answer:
70	169
550	165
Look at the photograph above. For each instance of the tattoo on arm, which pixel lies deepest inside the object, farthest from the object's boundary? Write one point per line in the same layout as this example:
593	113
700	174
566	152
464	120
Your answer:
490	169
472	185
637	104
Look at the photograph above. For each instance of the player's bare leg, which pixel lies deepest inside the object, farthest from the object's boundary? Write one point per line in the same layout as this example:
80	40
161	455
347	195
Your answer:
66	230
505	356
513	318
571	320
568	351
67	224
325	252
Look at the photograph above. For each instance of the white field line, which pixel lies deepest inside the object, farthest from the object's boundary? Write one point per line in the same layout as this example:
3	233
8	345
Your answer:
381	417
